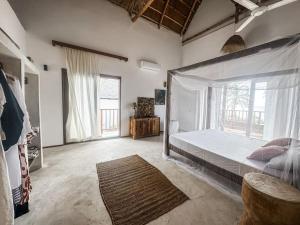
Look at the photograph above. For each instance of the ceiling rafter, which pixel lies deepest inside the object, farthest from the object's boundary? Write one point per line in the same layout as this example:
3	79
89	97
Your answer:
164	13
189	16
169	8
176	15
185	3
166	16
141	12
153	21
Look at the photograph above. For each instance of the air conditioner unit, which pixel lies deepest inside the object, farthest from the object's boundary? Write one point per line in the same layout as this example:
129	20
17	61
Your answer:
146	65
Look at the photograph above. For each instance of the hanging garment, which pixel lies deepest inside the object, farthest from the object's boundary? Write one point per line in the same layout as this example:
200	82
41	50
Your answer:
25	179
12	126
12	117
17	91
26	184
14	171
15	124
6	202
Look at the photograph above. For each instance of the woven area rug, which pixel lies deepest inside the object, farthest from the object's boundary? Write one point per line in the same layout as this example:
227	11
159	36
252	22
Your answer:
135	192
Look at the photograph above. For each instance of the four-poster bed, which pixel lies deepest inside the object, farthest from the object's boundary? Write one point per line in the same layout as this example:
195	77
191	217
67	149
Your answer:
199	95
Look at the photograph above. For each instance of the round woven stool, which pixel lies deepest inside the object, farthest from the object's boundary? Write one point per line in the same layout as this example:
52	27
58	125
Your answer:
269	201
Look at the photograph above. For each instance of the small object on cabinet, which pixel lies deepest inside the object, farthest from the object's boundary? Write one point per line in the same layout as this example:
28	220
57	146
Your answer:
134	107
144	127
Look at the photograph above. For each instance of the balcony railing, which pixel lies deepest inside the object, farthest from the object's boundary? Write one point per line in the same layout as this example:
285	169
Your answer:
238	119
109	119
242	116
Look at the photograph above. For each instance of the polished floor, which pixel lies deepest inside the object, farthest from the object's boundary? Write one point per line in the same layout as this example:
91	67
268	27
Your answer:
65	191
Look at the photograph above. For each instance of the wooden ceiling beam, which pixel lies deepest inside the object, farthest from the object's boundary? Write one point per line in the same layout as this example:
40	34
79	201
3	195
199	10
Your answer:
153	21
141	12
164	13
158	5
166	16
189	16
185	3
150	19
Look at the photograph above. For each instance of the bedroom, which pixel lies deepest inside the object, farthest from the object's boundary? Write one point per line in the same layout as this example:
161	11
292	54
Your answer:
149	49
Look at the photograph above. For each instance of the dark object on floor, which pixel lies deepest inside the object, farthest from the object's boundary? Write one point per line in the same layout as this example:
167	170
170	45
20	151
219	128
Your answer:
20	210
269	201
144	127
135	192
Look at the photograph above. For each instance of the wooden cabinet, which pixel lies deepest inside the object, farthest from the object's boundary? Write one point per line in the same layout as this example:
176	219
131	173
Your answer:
144	127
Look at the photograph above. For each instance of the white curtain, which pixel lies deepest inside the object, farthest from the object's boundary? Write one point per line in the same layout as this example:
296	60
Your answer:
82	123
201	113
282	110
189	104
216	121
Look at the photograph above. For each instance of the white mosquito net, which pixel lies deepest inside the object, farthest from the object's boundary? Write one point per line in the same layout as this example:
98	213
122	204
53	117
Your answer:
253	93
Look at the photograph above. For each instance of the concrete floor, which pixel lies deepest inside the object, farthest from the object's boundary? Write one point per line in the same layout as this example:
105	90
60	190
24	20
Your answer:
65	191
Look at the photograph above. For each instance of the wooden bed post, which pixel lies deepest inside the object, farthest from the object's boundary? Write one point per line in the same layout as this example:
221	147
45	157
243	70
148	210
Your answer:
167	117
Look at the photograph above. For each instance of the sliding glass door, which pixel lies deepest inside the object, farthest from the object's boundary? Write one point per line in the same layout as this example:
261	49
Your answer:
244	108
109	106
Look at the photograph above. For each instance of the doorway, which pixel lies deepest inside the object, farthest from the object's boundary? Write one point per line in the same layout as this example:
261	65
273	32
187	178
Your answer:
109	106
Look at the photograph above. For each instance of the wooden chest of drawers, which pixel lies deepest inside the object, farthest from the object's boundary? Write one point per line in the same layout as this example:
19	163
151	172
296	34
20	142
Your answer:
144	127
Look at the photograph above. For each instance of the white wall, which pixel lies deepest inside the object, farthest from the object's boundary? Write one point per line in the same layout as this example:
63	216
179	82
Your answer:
11	25
100	25
272	25
209	13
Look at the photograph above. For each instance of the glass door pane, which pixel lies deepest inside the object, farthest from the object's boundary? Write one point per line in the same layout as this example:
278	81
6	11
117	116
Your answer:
236	107
109	106
258	115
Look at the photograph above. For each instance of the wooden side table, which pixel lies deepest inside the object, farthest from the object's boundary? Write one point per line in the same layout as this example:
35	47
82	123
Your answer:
269	201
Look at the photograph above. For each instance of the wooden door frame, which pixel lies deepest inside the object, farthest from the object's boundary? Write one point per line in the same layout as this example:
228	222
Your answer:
65	101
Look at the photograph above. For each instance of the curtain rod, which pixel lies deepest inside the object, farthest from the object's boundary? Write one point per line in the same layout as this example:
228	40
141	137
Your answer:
290	40
62	44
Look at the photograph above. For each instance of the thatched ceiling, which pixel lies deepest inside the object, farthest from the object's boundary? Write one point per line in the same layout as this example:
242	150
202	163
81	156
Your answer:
175	15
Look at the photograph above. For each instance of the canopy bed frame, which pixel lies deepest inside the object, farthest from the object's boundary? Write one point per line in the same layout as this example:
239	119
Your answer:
169	142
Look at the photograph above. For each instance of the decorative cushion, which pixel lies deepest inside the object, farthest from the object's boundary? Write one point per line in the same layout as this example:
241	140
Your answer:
286	161
279	142
278	162
267	153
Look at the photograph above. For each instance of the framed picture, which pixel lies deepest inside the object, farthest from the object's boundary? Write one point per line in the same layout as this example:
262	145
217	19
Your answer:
160	97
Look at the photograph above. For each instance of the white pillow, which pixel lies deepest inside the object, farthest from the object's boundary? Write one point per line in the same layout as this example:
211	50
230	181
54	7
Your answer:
278	162
286	161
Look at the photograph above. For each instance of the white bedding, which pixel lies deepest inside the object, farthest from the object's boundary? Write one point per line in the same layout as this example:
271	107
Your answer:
228	151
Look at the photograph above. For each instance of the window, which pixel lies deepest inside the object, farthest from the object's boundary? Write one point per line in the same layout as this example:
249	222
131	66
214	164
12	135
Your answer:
244	107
